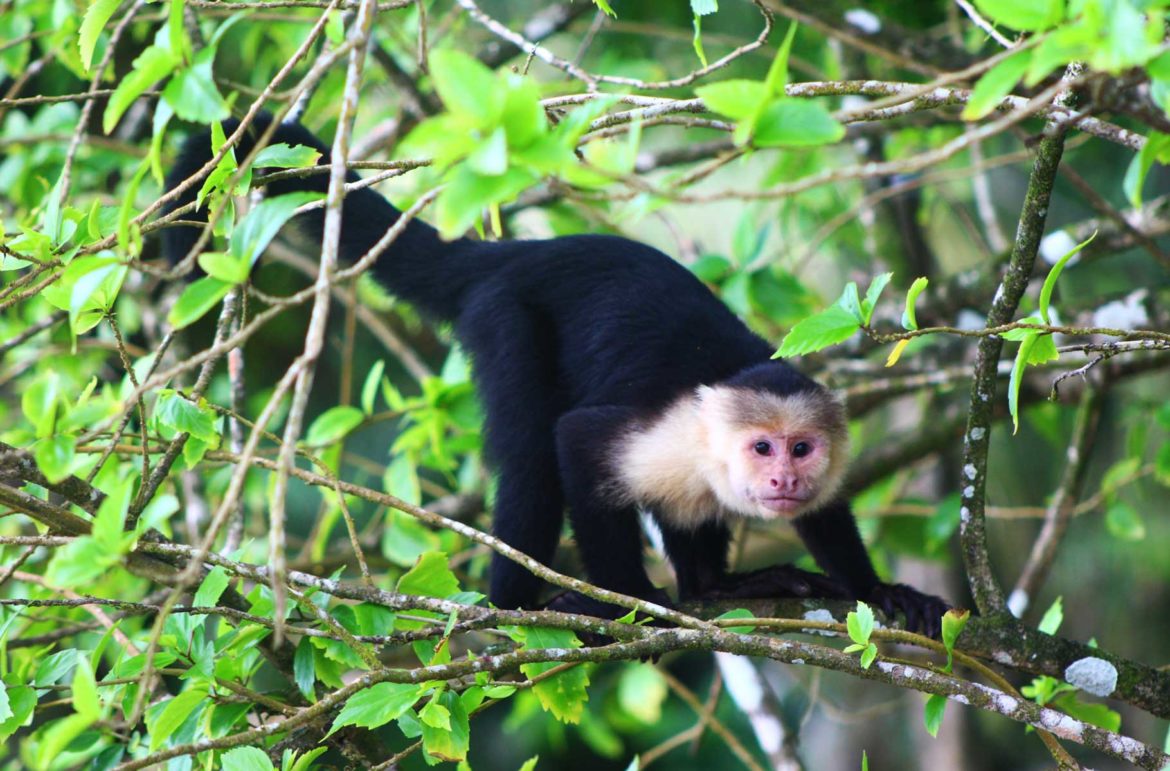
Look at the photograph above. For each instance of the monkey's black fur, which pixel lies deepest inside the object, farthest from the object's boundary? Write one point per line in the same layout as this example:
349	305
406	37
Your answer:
571	339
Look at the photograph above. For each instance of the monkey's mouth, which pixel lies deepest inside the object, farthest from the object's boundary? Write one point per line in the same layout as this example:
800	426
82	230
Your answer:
782	503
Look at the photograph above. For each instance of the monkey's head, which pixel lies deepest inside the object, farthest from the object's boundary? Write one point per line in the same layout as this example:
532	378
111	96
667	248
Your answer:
774	455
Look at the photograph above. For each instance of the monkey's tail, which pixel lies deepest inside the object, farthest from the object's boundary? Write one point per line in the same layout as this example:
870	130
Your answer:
418	266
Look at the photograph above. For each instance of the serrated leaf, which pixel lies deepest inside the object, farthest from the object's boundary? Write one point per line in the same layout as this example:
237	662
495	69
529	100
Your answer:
868	656
430	577
176	411
196	300
377	705
953	622
909	319
1050	279
829	327
450	743
96	16
333	424
796	123
995	84
435	714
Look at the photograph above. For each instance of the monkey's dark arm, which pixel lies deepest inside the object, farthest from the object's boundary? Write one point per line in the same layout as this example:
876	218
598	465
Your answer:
699	558
831	536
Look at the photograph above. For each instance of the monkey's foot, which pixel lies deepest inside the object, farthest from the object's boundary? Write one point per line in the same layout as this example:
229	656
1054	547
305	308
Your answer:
575	602
778	581
923	612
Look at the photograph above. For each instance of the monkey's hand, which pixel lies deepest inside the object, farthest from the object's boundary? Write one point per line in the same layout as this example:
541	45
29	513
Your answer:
923	612
778	581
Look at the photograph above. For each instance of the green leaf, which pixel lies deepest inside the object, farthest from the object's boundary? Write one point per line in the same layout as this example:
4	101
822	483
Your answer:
932	713
468	88
642	690
435	714
777	77
245	759
1050	280
175	713
254	232
868	655
697	39
1028	16
305	669
197	299
176	411
737	613
21	701
564	694
873	294
192	92
829	327
1052	617
450	743
909	319
96	16
796	123
405	539
995	84
54	456
333	425
225	267
151	66
1089	712
212	588
1156	148
490	157
734	98
1017	377
605	8
85	693
370	386
1124	522
430	577
860	623
401	479
377	705
953	622
284	156
303	762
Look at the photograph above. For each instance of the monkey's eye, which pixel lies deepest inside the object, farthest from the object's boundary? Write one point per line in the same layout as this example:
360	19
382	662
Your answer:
762	448
800	449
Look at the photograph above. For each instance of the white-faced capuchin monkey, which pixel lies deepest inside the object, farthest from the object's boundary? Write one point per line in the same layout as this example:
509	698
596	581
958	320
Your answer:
613	381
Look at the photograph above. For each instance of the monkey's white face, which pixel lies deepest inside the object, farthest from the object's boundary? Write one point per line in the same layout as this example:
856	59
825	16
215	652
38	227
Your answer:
778	474
773	456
